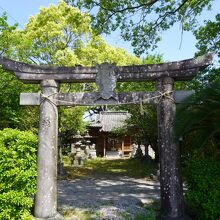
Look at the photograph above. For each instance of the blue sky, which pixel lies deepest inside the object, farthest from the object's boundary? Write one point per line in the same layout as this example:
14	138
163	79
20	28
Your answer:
20	10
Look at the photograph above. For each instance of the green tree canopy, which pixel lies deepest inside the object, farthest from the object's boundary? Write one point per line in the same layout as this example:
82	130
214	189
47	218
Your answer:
141	22
62	35
208	41
208	37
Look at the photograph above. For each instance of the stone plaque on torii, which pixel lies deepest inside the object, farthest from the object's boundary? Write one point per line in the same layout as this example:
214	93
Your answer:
105	76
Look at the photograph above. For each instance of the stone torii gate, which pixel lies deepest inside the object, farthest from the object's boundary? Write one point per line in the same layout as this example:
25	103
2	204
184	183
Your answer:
105	76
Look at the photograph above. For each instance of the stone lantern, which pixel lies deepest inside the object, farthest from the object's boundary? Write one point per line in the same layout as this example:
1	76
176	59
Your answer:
77	154
87	143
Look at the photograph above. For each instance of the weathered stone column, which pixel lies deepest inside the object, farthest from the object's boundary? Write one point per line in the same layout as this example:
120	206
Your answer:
46	196
172	204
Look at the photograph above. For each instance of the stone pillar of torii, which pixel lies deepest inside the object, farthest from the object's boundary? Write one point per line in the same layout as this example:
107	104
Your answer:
106	76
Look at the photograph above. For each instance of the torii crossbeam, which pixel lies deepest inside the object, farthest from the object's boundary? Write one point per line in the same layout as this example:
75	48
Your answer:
105	76
180	71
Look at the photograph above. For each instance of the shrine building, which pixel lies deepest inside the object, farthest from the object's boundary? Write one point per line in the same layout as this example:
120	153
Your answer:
108	144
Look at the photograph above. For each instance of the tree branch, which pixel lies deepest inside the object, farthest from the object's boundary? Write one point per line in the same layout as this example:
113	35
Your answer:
148	4
162	17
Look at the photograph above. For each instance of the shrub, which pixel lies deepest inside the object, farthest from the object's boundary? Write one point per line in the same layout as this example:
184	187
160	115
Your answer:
203	182
17	173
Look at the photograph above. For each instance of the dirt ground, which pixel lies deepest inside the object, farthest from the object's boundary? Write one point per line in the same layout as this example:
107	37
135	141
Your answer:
106	196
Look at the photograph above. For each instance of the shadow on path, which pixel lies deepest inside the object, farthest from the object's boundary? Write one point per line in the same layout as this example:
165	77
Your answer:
123	193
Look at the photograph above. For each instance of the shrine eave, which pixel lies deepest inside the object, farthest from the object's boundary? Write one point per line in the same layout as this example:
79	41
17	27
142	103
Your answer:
178	70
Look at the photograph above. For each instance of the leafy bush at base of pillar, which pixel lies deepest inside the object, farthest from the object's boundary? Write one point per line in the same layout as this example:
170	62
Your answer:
203	182
17	173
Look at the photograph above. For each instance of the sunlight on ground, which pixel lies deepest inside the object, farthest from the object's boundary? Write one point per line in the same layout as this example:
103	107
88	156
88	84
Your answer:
88	214
101	166
80	214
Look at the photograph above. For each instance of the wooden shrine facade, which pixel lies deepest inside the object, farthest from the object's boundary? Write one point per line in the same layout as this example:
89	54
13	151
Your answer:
108	144
106	76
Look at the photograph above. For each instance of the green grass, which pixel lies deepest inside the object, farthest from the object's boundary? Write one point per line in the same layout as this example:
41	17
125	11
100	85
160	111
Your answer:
88	214
149	216
83	214
103	167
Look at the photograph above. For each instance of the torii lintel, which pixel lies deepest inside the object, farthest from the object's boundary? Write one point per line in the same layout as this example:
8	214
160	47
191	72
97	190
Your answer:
178	70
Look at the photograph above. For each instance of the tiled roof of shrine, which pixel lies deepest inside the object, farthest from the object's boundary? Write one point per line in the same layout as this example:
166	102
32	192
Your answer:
109	120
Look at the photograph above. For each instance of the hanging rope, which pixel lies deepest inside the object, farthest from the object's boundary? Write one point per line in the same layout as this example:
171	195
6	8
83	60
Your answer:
141	102
48	98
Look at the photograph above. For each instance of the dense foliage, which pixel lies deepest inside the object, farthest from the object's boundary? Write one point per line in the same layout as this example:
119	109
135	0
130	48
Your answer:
208	40
208	37
203	182
18	173
10	111
200	115
197	124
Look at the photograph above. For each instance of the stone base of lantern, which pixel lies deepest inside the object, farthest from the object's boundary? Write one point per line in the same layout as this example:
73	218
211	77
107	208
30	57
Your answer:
93	154
78	161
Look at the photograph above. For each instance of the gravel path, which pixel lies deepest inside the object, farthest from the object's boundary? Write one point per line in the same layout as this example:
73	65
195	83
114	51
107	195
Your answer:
111	197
